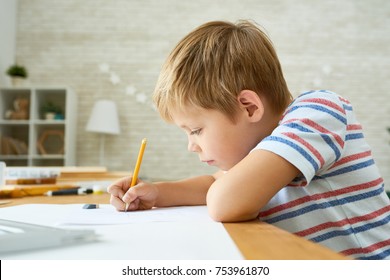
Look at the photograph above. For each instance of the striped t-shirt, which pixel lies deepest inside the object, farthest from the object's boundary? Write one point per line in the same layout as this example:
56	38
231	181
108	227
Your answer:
339	200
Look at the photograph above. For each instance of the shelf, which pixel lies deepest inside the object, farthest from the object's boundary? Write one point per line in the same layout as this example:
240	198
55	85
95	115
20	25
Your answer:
48	122
31	139
13	157
14	122
52	156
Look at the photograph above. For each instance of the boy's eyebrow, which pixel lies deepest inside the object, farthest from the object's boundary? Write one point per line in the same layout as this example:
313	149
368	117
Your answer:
184	127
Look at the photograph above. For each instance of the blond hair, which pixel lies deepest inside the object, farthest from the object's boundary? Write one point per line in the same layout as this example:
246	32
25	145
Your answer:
211	65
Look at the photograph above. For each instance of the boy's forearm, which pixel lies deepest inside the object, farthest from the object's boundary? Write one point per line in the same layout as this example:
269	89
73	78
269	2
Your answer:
249	186
190	191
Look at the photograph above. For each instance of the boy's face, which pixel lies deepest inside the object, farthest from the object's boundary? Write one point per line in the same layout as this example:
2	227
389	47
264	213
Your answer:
214	137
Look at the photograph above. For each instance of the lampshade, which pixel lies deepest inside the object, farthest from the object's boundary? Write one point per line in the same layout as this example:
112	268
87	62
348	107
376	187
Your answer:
104	118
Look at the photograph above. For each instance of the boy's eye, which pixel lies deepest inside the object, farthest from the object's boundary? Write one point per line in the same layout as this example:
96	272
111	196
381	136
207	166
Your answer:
195	132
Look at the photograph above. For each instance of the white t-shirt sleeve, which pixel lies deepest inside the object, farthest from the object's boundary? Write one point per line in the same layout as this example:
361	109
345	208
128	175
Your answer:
311	134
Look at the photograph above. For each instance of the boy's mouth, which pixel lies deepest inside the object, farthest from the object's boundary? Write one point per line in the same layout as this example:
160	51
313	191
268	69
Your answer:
209	162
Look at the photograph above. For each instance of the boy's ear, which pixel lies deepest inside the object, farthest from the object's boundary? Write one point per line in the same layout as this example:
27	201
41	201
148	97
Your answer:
252	104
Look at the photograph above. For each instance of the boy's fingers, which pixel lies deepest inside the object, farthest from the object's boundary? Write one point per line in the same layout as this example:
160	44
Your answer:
134	192
130	195
120	184
133	205
117	203
122	198
115	191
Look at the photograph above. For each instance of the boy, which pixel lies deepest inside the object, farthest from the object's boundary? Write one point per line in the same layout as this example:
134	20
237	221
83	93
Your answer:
302	165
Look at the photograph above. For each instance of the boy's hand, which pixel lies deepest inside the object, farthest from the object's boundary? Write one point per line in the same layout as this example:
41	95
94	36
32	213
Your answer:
140	197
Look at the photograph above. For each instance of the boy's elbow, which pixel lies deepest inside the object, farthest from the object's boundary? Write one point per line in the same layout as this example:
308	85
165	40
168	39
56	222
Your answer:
226	215
225	208
217	216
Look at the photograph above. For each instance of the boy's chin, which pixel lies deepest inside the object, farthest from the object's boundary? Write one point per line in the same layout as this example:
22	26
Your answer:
223	169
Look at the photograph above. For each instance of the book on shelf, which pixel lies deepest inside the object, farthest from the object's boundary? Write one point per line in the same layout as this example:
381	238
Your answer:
31	181
30	175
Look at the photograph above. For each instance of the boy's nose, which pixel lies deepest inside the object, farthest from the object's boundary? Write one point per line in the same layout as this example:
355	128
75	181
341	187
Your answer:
192	147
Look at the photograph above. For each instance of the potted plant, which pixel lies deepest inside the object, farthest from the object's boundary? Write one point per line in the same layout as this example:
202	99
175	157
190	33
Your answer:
51	111
17	74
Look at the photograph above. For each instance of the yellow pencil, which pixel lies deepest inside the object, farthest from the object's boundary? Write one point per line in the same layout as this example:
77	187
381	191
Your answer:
137	166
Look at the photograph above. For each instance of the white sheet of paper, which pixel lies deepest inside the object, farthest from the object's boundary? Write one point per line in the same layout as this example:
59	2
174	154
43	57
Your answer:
108	215
189	234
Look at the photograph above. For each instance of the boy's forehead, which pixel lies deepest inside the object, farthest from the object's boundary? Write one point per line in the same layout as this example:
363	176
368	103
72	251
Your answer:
187	114
193	116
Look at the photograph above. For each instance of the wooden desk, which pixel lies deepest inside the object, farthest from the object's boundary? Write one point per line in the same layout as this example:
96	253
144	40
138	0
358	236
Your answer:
256	240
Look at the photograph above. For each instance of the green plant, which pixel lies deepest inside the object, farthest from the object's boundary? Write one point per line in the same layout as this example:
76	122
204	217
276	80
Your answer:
50	107
17	71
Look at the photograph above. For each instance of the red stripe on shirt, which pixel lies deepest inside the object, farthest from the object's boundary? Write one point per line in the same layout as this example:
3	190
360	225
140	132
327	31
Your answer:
343	222
307	198
314	151
344	100
354	127
325	102
351	158
368	249
320	129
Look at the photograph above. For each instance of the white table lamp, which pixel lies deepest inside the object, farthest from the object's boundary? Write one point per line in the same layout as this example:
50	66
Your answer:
104	120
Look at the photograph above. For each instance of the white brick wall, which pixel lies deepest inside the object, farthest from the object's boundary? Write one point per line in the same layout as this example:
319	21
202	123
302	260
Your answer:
338	45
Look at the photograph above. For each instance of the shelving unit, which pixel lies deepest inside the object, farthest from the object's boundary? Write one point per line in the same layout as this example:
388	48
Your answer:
37	141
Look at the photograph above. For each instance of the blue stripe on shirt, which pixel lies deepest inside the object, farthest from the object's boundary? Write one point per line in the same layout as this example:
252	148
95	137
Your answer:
322	109
324	205
326	137
347	169
380	256
296	147
312	91
331	144
354	136
347	107
306	93
351	230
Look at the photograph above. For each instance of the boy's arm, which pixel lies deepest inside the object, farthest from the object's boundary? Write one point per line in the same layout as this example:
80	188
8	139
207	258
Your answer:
146	195
190	191
240	193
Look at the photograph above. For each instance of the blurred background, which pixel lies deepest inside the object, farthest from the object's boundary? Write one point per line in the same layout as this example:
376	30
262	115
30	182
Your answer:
114	50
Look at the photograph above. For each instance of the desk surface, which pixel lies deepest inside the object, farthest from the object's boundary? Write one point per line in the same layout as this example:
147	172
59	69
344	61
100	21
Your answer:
256	240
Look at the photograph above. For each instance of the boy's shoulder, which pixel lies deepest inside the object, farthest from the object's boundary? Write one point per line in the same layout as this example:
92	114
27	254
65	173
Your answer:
325	98
323	94
320	106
